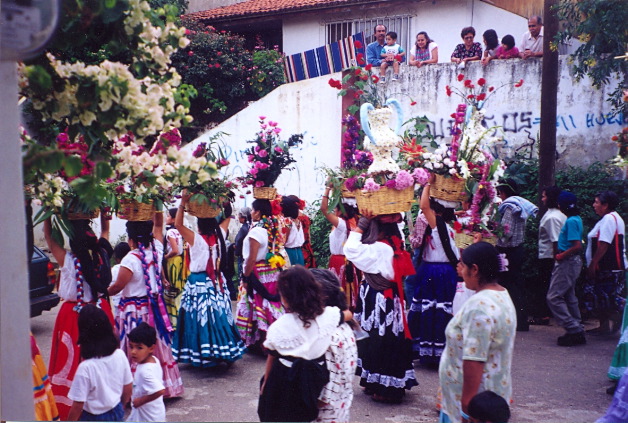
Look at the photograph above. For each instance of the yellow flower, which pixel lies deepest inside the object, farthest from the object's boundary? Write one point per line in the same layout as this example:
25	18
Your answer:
276	261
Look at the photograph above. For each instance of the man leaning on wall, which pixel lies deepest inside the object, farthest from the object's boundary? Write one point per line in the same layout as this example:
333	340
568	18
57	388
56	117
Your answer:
532	42
374	50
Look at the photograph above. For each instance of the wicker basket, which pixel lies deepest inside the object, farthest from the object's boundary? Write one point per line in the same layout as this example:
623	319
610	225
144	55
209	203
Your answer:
134	211
347	194
463	240
448	189
264	193
202	209
76	215
385	200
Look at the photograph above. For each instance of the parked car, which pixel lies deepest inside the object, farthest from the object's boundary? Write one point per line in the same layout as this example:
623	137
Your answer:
42	279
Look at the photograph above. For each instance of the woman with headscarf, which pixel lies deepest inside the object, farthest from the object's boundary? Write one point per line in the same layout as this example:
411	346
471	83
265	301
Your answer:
260	305
385	357
432	303
142	296
83	279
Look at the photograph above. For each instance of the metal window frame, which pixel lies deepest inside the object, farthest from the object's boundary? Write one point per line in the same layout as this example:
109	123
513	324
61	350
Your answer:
398	23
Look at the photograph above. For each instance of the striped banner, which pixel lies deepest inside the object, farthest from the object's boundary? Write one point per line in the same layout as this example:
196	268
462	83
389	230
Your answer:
327	59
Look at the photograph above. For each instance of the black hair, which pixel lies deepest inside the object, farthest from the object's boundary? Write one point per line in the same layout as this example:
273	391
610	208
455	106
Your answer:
302	292
96	336
490	36
508	186
485	257
330	284
447	213
140	232
392	34
87	250
172	212
379	230
121	250
143	334
428	40
375	28
487	406
290	206
552	193
349	211
509	41
608	197
262	206
539	20
467	30
209	226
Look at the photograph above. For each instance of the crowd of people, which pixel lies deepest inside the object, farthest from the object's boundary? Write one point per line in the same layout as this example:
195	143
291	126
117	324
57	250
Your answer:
372	312
385	52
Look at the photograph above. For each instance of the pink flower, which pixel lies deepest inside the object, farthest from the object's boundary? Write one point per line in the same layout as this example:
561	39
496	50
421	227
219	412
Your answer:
390	184
223	162
190	53
371	186
277	130
259	184
262	153
263	166
264	126
253	171
271	123
420	175
403	180
251	158
278	150
262	117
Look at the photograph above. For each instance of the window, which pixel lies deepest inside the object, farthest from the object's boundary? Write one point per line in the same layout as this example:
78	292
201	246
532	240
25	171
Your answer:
400	24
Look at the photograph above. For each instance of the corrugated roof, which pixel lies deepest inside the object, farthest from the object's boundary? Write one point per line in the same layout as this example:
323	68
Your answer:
267	7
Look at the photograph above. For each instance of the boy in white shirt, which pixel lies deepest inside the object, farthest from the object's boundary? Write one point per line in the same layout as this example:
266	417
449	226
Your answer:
392	54
148	386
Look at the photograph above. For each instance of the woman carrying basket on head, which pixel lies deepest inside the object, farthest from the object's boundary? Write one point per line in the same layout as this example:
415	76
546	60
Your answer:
142	296
260	305
206	334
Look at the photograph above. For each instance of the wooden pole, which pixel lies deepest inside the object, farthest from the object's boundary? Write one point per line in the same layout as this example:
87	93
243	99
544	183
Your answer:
549	94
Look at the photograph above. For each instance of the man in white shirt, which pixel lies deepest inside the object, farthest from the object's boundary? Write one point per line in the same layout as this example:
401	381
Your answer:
532	42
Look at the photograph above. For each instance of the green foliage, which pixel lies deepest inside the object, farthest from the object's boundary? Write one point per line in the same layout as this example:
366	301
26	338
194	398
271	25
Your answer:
319	234
267	72
180	5
601	26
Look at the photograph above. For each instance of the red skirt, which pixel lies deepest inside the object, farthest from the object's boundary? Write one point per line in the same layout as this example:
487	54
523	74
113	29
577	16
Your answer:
65	354
350	277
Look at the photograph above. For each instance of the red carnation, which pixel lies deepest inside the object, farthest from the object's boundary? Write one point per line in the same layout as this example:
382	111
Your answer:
375	78
398	57
481	82
357	44
368	67
360	58
448	90
413	103
358	71
470	96
467	83
460	77
481	96
490	89
520	83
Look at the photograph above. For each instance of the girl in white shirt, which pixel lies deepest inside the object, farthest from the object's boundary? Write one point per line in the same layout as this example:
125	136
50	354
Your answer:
424	51
294	236
142	296
103	383
206	334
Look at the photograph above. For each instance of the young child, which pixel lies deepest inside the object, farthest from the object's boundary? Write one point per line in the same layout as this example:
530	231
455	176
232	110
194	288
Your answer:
488	407
392	53
507	49
119	252
148	385
103	380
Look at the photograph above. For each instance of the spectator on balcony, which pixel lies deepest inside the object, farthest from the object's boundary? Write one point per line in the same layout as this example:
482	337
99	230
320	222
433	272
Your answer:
468	50
374	50
532	42
491	43
506	50
424	51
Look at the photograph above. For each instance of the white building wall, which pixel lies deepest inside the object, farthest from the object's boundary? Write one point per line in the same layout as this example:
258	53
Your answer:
302	34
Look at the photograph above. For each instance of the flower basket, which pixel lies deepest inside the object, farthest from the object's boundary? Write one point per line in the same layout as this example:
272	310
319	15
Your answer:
347	194
202	209
264	193
448	189
135	211
385	200
463	240
77	215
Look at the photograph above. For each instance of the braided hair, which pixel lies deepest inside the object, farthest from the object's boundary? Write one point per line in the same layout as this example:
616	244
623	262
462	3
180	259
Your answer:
209	226
85	247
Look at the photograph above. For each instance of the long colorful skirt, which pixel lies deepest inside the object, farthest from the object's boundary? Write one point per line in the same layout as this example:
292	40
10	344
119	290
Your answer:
308	255
296	256
175	270
349	277
619	363
65	354
45	404
206	334
431	310
133	311
385	357
255	313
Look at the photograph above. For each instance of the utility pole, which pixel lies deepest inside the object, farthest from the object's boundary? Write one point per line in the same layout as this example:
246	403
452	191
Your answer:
549	99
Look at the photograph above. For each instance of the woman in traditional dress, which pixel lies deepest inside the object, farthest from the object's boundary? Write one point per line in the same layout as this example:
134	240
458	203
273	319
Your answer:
142	296
293	229
206	334
385	357
343	221
84	277
175	270
306	248
45	404
260	304
432	303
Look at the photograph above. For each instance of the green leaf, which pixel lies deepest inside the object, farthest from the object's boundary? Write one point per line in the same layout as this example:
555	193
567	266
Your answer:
103	170
72	165
51	163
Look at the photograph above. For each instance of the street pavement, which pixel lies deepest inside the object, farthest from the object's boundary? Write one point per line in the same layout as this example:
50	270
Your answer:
550	383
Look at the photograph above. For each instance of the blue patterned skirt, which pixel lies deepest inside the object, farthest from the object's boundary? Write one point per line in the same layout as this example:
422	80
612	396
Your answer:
206	332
